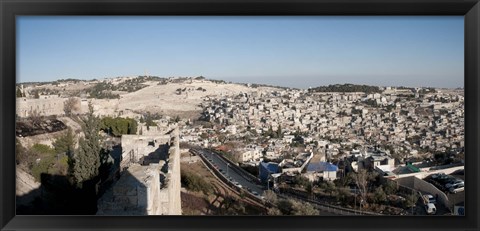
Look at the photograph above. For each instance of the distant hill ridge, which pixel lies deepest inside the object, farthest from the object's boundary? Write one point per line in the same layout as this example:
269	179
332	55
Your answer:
135	83
347	88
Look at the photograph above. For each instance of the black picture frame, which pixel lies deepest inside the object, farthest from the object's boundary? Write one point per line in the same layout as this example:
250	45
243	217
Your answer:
12	8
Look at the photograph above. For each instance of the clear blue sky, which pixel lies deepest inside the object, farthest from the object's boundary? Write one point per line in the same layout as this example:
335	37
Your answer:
288	51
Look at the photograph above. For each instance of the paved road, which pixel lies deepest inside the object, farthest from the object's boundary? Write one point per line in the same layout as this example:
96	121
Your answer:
228	171
247	182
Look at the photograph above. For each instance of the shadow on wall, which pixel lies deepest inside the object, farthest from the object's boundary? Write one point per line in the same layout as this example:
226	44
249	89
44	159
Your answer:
161	153
57	195
132	194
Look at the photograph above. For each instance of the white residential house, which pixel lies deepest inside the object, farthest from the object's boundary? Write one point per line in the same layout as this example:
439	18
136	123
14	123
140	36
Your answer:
251	154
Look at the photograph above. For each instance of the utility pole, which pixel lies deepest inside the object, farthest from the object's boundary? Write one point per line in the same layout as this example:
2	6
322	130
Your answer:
268	180
355	202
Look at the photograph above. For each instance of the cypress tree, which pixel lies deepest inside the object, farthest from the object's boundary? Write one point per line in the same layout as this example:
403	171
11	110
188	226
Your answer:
87	157
66	143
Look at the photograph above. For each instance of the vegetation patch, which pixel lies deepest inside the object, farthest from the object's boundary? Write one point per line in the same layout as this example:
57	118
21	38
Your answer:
118	126
347	88
195	183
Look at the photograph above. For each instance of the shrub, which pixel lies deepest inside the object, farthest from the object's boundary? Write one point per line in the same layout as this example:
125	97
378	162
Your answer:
195	183
42	167
42	149
49	161
119	126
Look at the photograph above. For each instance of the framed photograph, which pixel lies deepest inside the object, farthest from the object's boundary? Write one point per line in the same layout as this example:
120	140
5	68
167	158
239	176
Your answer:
266	115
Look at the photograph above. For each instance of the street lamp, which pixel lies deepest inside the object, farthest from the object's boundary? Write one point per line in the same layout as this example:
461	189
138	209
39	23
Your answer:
227	168
268	180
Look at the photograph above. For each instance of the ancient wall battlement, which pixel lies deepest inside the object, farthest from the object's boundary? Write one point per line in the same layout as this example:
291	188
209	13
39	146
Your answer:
150	180
134	147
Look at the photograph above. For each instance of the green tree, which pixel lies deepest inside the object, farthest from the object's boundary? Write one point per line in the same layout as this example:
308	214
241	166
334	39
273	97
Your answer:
285	206
390	187
65	143
149	120
294	207
380	195
132	126
328	187
87	157
362	179
303	209
301	181
71	106
119	126
411	200
279	132
342	195
19	93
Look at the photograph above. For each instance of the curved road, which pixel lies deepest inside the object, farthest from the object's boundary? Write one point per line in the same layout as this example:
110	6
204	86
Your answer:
227	170
245	182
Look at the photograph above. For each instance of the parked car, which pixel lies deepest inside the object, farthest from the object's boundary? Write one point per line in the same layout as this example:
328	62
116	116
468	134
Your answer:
456	189
445	179
430	209
436	175
237	184
455	183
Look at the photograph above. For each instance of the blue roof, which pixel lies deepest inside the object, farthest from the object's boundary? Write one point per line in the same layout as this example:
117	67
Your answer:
321	167
271	167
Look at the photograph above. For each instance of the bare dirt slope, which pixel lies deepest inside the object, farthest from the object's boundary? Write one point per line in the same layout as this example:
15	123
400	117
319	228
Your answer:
26	187
165	99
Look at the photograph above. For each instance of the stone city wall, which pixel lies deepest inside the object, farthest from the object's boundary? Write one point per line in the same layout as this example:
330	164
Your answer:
150	200
135	147
45	105
170	193
175	207
414	182
426	172
424	186
135	193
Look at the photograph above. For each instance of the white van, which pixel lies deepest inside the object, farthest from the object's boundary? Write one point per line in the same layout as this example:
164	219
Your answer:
429	199
430	208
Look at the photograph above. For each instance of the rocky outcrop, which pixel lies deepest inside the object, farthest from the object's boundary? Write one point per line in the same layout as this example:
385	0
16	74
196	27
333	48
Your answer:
26	187
28	128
